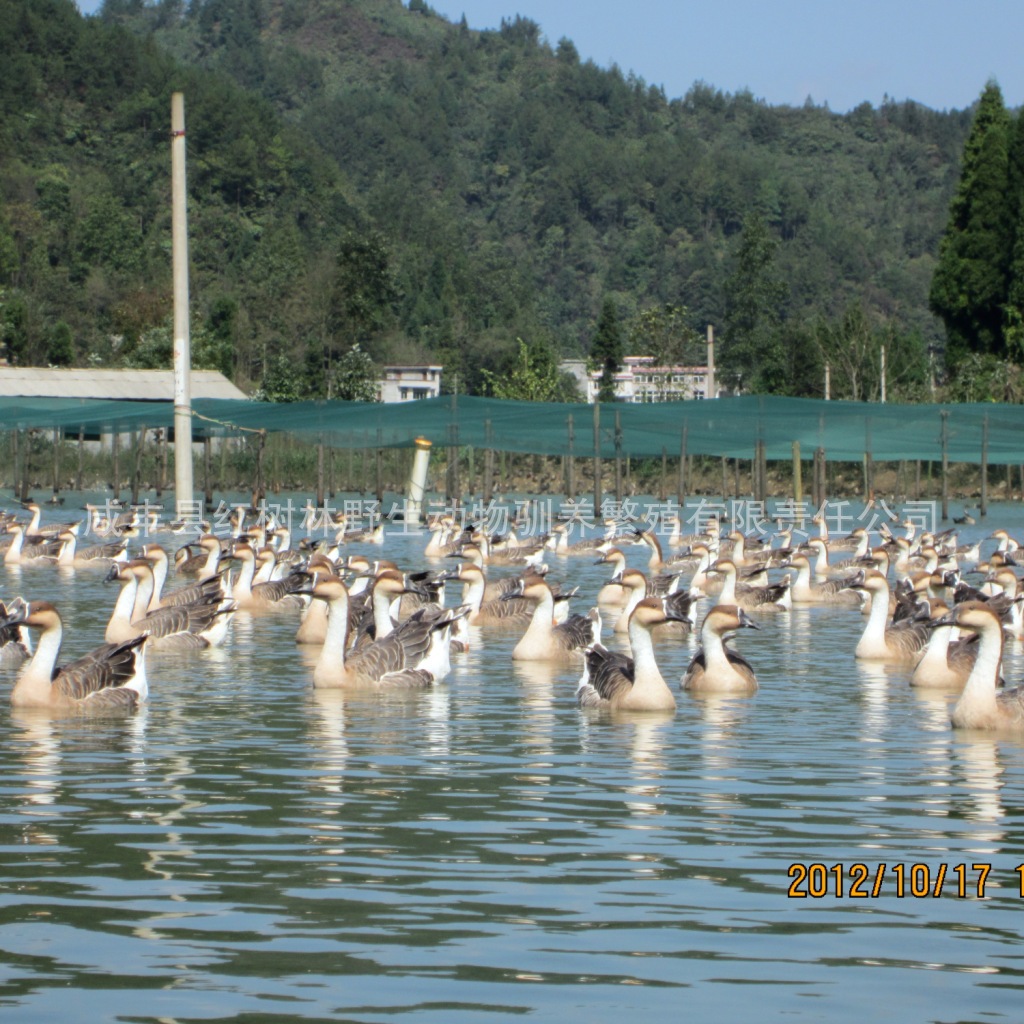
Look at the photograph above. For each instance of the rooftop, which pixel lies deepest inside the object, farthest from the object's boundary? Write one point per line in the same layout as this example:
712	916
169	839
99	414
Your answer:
119	385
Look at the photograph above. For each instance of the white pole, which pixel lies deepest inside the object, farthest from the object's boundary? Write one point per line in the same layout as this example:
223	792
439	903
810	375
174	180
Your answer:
417	485
182	355
828	382
711	390
883	373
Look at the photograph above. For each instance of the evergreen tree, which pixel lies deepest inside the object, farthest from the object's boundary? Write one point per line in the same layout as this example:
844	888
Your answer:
1014	313
606	351
752	353
60	350
970	285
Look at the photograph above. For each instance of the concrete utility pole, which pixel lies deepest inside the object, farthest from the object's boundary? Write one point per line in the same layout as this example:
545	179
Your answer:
711	391
182	354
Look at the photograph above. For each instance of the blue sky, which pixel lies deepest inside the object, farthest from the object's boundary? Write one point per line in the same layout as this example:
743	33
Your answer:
938	52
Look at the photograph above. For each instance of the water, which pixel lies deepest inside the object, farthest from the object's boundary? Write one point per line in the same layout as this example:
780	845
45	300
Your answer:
248	849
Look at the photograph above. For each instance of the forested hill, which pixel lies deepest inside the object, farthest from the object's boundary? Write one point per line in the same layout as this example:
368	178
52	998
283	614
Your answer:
364	171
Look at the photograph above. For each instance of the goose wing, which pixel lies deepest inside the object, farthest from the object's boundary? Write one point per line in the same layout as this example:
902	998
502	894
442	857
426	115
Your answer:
408	679
94	552
109	666
752	597
514	610
404	648
695	670
194	593
607	674
579	631
275	591
185	618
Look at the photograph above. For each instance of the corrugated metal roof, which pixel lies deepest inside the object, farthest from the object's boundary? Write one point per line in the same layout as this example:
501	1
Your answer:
124	385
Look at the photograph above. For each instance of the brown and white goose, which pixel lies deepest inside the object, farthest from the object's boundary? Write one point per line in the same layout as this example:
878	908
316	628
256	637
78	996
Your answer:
180	627
883	640
543	639
110	678
716	668
619	682
412	656
982	705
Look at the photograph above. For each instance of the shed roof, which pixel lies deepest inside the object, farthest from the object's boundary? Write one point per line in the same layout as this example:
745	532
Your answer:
125	385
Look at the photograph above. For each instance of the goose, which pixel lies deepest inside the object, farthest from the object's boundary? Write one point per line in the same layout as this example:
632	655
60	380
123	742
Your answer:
93	555
204	564
807	590
1006	543
191	593
613	593
110	678
881	640
634	585
443	530
312	627
392	662
182	627
947	661
15	641
21	553
981	705
386	591
817	549
710	535
514	612
657	562
716	668
525	555
773	598
543	639
615	681
275	594
585	546
37	533
851	542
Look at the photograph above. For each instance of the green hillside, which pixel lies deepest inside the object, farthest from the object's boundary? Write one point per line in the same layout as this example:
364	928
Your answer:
364	172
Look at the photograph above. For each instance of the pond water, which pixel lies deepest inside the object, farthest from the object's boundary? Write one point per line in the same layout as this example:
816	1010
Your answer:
247	848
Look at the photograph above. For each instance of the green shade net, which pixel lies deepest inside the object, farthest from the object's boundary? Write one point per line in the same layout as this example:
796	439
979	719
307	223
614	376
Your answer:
732	427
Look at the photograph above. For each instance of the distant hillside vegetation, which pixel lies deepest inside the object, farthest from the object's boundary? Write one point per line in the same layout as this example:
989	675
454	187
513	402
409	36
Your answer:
362	172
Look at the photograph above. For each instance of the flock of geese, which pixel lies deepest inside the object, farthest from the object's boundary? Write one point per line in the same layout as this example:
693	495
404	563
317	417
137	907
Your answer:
929	604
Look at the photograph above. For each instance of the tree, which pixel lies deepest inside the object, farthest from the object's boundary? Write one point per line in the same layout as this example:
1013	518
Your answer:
606	350
60	349
970	285
852	346
664	332
283	381
1014	312
354	378
532	376
752	353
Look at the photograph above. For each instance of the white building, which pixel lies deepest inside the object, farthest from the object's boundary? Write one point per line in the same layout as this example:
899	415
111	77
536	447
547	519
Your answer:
408	383
640	380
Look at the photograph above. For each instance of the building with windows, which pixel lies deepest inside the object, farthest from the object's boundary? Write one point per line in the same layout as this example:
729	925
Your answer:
640	380
408	383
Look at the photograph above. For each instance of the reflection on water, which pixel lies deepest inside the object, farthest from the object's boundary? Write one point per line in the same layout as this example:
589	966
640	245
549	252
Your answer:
250	847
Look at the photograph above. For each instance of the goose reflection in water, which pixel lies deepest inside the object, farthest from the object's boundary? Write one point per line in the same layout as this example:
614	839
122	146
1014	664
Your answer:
976	761
649	735
536	683
38	749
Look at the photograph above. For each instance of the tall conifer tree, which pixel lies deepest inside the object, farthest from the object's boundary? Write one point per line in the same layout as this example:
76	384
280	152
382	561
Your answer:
969	289
607	350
